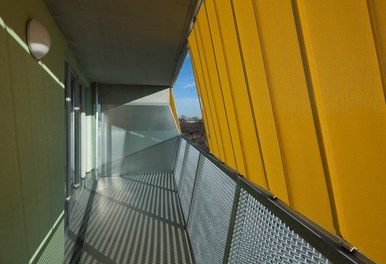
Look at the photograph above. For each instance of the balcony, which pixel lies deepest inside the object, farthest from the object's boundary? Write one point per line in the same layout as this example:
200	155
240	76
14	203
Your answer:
200	211
94	168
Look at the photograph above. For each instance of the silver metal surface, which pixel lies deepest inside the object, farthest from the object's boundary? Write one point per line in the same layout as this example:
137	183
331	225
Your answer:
137	138
313	237
210	213
135	219
261	237
179	161
188	175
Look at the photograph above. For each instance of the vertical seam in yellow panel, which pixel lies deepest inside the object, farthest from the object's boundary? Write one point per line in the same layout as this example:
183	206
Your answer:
249	94
246	165
203	88
221	92
174	108
209	94
315	114
377	44
212	108
216	102
235	135
203	107
203	113
212	136
269	85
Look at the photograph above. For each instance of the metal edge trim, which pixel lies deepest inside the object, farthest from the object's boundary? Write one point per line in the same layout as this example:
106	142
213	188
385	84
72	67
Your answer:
330	245
43	245
233	174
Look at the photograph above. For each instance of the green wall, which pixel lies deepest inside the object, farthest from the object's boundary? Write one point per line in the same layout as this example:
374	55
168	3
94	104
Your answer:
32	134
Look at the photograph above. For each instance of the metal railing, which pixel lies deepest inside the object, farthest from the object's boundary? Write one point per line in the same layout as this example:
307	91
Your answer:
231	220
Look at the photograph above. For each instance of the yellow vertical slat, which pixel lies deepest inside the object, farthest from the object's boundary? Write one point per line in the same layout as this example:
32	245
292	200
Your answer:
215	91
248	134
201	90
347	92
224	83
305	174
259	90
209	94
202	107
173	107
377	11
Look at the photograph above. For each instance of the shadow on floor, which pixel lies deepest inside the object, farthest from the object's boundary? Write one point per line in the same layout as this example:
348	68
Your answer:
135	219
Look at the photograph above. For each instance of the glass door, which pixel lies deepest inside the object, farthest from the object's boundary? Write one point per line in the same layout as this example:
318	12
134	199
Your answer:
72	124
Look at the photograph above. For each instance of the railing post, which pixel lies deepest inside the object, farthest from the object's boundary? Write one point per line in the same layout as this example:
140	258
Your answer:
176	157
232	222
187	146
194	190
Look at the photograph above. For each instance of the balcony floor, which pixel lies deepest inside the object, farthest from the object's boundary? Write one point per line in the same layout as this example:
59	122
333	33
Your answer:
131	219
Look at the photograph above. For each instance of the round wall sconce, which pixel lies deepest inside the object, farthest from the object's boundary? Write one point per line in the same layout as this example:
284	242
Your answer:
38	38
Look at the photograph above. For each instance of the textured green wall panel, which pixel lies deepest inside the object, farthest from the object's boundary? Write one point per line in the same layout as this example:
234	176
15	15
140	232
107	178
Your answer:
32	131
54	105
25	147
39	149
11	221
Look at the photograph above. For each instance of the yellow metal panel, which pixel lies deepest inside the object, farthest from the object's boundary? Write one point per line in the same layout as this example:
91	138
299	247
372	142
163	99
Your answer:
209	95
173	107
241	98
377	9
224	83
259	90
201	92
212	142
217	98
305	174
202	107
350	103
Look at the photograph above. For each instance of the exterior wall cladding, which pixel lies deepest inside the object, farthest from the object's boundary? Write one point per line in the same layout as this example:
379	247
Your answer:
32	134
293	97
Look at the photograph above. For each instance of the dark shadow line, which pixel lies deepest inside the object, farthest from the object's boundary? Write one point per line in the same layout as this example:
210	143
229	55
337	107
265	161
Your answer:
141	211
78	248
71	236
96	254
148	184
316	116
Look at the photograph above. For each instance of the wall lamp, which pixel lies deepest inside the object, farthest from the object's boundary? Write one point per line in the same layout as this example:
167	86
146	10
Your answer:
38	38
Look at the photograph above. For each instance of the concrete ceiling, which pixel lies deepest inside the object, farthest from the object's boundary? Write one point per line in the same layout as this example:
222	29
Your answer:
138	42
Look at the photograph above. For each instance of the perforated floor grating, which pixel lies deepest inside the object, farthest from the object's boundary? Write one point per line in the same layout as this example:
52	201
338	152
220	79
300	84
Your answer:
134	219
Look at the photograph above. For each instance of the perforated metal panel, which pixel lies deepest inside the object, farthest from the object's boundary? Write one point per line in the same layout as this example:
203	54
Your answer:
210	213
136	219
188	175
260	237
179	161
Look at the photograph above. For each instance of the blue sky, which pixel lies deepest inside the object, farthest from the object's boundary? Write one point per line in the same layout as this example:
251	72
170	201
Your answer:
185	93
